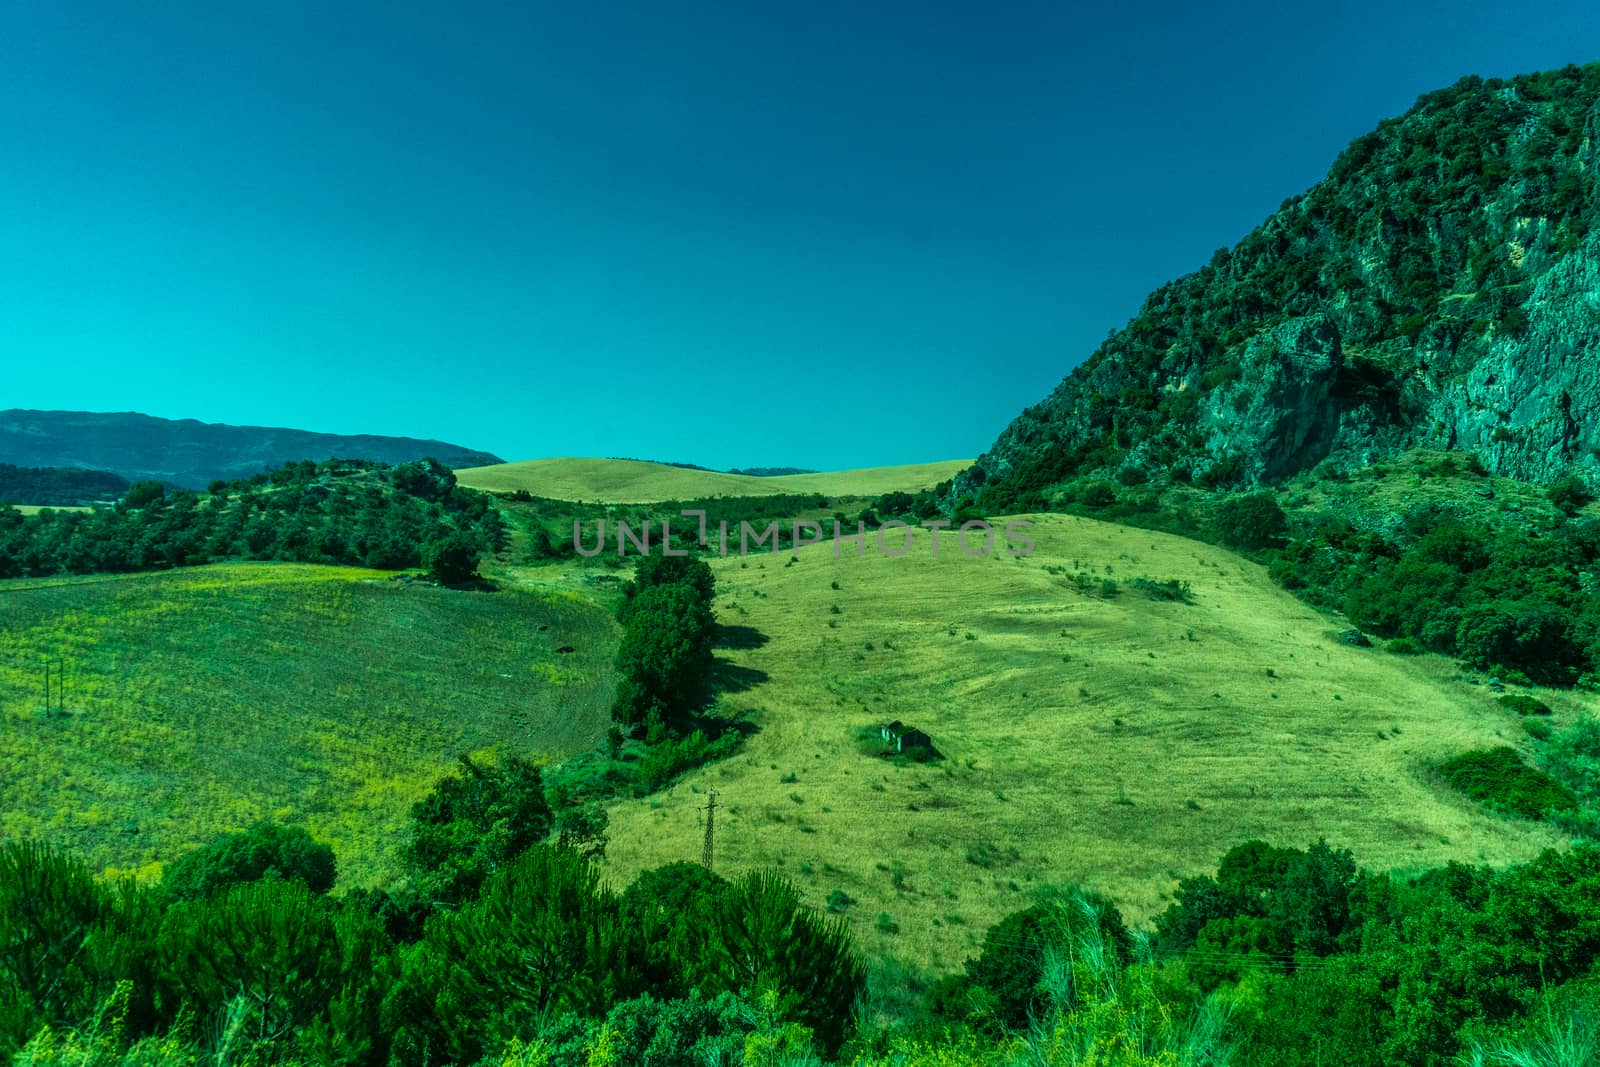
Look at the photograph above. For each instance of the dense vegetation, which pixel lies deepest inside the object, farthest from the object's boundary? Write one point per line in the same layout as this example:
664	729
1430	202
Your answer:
334	512
1284	957
1511	602
58	486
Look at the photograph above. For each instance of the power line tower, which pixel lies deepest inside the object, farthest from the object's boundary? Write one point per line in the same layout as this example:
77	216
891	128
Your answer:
711	814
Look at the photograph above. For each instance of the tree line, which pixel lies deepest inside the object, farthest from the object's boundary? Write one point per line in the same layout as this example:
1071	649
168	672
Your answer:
58	486
339	511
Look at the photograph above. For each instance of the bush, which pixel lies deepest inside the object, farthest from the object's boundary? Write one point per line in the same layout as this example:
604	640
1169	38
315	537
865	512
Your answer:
1523	704
1570	494
1404	646
452	559
1252	522
666	759
1499	779
1091	494
1164	589
1533	636
265	850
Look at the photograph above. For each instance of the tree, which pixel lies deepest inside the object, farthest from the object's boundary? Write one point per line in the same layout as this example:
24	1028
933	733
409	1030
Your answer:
543	937
674	908
664	657
1252	522
452	559
656	571
50	905
768	944
267	956
582	828
265	850
144	494
472	824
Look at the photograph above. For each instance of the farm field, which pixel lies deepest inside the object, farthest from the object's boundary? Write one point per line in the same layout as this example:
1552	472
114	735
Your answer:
628	481
202	700
1105	738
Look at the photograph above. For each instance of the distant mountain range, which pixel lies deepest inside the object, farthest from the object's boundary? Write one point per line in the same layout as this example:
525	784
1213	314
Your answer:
193	454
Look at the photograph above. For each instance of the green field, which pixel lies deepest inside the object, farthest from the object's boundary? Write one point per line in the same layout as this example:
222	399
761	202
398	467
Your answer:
201	700
1113	740
628	481
34	509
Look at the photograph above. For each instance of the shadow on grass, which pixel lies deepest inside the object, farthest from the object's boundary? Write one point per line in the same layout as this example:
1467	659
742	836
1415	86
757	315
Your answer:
731	678
740	637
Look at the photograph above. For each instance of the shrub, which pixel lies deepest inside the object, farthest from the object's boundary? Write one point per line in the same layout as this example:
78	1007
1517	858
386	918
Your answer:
265	850
1252	522
1164	588
1499	779
452	559
1404	646
1532	636
1091	494
667	759
1570	494
1523	704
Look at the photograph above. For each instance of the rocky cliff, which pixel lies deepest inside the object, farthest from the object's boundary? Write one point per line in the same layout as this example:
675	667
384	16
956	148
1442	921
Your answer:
1440	288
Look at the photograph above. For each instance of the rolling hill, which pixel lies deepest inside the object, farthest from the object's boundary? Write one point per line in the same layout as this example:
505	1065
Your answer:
1103	737
193	454
631	481
201	700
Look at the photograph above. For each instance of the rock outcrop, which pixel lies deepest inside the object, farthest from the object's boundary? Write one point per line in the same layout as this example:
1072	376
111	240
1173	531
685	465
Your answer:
1440	288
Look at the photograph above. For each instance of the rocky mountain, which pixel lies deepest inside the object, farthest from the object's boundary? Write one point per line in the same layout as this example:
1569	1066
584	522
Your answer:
1439	288
193	454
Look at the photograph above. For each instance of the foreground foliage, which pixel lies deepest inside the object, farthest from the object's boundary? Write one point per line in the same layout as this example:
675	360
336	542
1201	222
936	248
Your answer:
1284	957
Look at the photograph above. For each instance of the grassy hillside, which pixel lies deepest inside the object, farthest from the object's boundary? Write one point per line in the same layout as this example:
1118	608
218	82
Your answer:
629	481
1115	740
201	700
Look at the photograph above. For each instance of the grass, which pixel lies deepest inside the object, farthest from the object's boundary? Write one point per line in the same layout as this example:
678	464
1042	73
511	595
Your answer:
201	700
34	509
628	481
1112	769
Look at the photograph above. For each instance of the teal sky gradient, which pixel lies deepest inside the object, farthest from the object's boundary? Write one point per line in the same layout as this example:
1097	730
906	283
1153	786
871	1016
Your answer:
821	234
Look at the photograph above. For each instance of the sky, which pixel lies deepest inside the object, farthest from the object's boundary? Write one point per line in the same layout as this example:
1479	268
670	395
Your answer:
810	234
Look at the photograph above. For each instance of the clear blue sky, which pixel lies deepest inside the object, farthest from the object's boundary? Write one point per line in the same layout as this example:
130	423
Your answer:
820	234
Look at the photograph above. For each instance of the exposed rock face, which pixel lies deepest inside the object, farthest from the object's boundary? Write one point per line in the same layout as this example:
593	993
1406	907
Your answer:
1530	405
1440	288
1279	415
